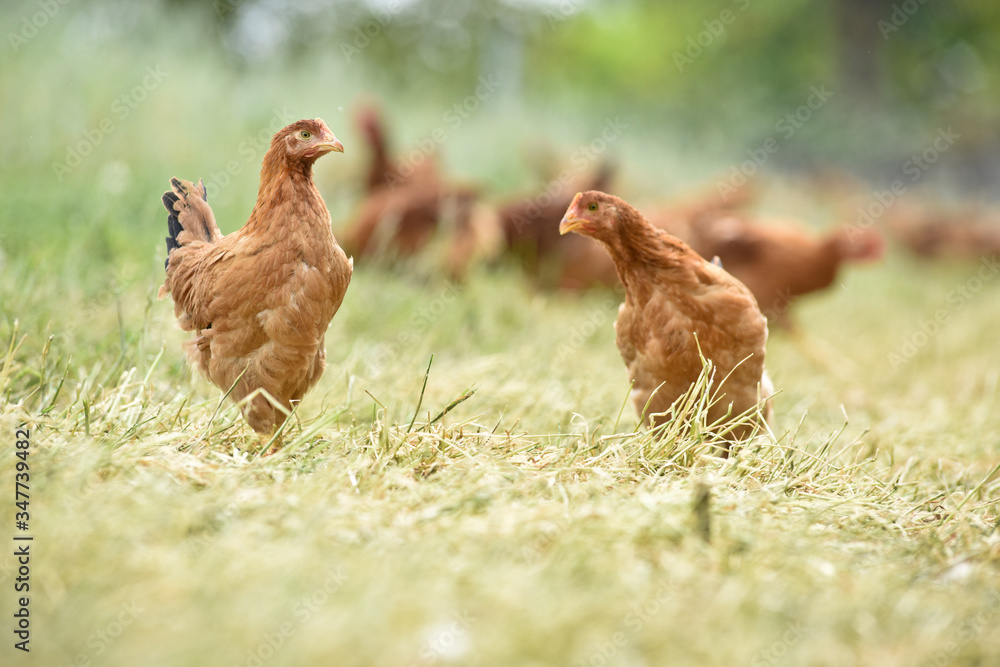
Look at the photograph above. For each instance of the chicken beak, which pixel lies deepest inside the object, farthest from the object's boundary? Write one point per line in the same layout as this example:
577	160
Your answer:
330	145
571	221
568	224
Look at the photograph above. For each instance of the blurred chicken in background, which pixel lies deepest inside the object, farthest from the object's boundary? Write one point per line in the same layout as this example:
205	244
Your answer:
531	236
933	231
777	259
408	205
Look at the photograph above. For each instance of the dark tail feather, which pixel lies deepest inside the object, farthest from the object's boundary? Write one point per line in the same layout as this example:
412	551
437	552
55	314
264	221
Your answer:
197	214
173	225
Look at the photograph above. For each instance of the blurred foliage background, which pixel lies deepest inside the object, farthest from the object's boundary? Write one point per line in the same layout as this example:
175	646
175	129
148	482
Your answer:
187	88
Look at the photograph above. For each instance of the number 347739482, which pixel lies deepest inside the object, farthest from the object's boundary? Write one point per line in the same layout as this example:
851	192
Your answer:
22	477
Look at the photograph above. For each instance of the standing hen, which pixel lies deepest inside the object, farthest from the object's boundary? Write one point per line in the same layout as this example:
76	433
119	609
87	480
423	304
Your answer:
779	262
675	303
259	300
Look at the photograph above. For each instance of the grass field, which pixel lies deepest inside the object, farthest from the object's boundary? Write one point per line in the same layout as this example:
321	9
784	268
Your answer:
521	528
532	523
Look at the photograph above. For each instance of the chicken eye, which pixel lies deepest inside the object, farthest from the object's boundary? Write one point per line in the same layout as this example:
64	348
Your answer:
304	135
592	206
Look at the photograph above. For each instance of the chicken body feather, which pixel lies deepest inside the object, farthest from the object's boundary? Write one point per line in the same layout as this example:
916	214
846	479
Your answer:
678	307
260	300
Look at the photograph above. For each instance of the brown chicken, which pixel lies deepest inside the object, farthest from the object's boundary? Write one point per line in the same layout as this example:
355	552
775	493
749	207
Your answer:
409	205
530	234
675	303
259	300
932	231
678	215
383	171
403	221
780	262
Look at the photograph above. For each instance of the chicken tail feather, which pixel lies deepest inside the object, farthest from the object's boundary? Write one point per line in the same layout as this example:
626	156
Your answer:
189	217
